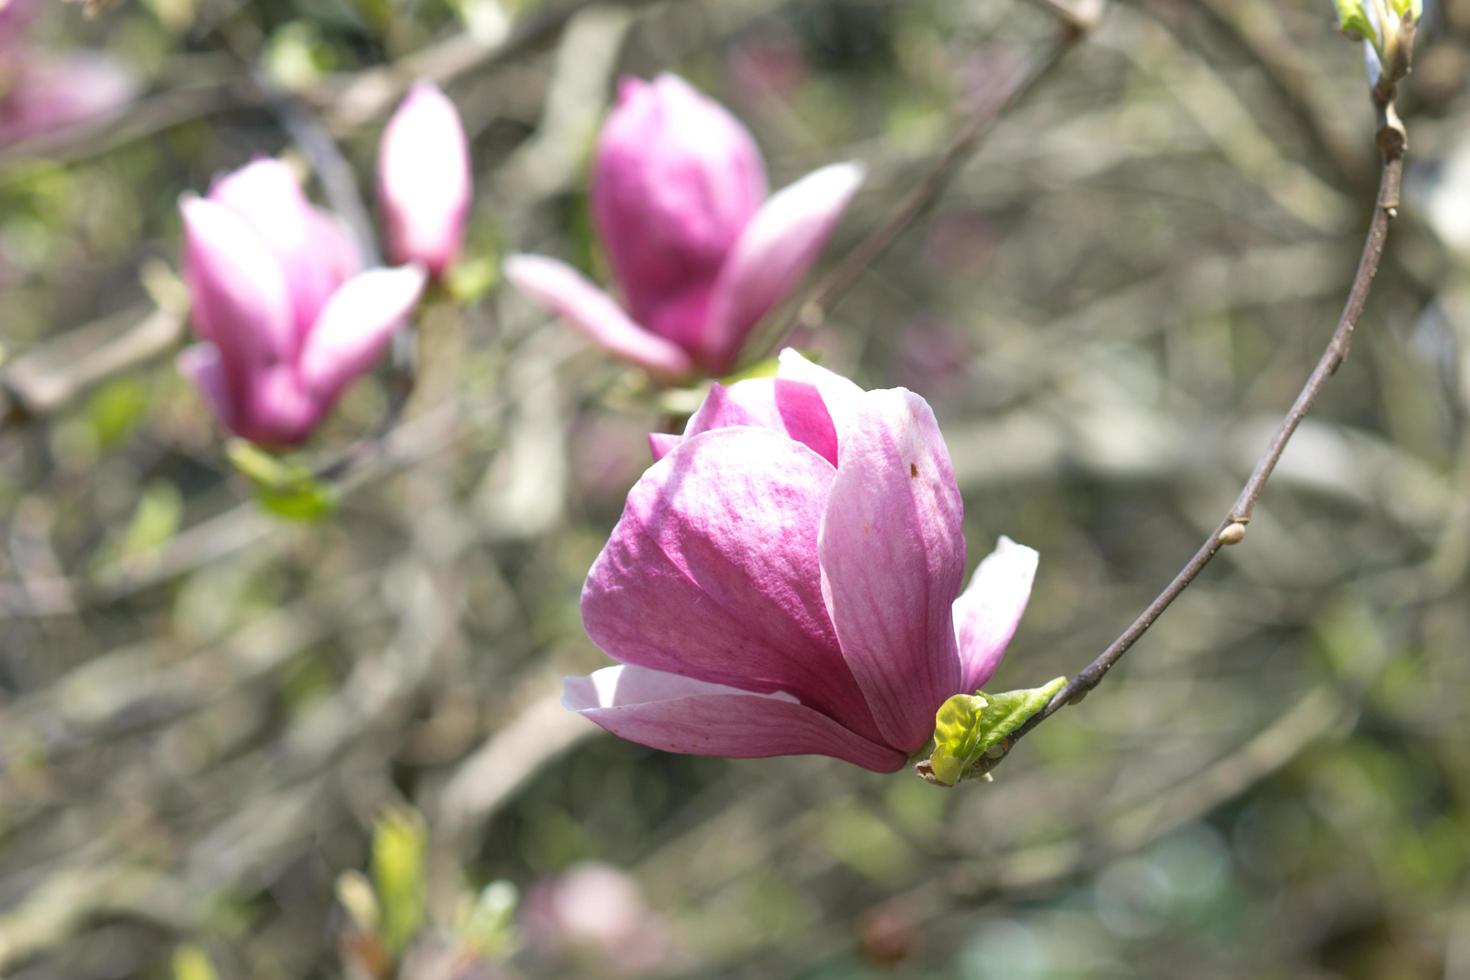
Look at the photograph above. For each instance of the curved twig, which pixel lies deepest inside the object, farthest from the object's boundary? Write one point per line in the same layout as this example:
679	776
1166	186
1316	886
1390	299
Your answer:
1392	143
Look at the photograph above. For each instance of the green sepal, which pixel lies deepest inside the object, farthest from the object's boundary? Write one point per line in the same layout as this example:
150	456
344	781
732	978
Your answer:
1353	20
192	963
288	490
967	725
1011	710
957	732
1406	7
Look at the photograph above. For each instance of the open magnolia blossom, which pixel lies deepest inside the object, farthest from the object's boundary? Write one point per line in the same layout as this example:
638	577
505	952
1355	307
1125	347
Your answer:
785	580
699	253
286	317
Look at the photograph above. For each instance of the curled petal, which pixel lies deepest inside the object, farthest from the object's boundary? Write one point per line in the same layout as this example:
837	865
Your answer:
660	444
840	395
712	573
775	251
238	291
678	714
892	555
987	613
791	407
355	326
564	291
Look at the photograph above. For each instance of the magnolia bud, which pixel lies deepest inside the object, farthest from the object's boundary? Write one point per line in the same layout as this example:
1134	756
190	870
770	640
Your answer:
424	180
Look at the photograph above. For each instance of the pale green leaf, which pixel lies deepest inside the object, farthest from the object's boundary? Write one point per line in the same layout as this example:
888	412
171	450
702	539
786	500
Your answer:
471	278
1403	7
192	963
155	522
968	724
1353	20
305	502
399	844
259	466
116	410
764	368
287	490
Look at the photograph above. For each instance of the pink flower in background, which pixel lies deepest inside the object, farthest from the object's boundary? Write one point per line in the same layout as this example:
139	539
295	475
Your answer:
42	93
699	252
767	64
46	94
786	580
594	913
424	180
286	318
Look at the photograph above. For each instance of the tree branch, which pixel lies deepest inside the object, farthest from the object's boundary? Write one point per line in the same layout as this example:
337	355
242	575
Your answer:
1392	143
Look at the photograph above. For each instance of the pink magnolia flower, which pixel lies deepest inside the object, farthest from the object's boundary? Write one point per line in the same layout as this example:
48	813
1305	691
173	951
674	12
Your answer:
699	253
596	914
424	180
786	580
286	318
41	93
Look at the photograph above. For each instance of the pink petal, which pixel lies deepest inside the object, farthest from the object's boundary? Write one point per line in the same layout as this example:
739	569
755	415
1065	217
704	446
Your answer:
239	293
840	395
277	410
987	613
200	363
424	180
564	291
355	326
775	251
786	406
681	316
712	573
771	403
268	197
892	555
660	444
678	714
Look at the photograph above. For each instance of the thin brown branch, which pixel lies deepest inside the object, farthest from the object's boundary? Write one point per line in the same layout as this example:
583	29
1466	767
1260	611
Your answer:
1392	144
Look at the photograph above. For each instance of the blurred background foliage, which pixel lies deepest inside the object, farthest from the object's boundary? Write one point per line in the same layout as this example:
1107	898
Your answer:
237	746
